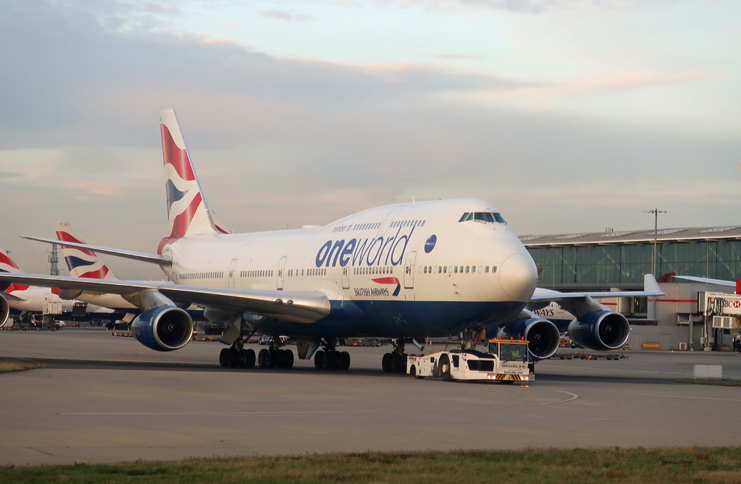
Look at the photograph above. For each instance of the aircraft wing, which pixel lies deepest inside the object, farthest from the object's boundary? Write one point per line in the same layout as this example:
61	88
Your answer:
127	254
705	280
295	306
650	288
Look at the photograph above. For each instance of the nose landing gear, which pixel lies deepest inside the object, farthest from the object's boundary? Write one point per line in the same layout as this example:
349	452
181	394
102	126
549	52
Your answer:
396	361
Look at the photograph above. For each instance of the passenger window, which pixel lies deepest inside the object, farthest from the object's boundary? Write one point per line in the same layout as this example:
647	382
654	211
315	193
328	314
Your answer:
493	269
473	269
466	269
425	269
456	269
445	269
486	270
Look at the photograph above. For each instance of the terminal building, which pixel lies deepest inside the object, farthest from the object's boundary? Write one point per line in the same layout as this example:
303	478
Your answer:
613	260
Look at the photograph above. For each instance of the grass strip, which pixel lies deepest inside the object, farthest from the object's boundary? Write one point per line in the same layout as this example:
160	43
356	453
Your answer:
719	383
614	465
8	365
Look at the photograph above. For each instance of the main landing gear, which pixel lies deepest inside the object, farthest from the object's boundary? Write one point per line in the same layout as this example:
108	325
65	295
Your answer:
331	359
396	361
238	357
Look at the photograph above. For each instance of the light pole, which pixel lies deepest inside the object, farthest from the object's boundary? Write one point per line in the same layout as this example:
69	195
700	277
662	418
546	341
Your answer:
654	254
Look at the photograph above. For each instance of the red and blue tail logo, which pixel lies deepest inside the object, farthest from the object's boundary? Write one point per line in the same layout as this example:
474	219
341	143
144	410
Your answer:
80	262
186	207
8	265
389	280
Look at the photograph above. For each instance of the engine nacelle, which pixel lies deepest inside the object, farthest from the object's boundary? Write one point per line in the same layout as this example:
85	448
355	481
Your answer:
542	335
165	328
4	311
600	330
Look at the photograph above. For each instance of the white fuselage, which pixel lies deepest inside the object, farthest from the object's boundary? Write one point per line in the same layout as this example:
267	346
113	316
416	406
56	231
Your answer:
408	268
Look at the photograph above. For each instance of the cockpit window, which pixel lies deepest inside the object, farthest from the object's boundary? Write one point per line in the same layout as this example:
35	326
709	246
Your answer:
485	217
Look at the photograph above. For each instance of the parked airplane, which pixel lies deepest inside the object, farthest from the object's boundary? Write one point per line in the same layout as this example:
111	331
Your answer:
28	299
399	271
85	263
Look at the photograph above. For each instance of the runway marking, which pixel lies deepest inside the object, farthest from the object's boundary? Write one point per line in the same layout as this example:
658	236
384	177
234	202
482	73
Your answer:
672	396
571	398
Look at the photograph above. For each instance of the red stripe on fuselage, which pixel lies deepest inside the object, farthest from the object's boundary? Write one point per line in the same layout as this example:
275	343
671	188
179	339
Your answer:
386	280
175	156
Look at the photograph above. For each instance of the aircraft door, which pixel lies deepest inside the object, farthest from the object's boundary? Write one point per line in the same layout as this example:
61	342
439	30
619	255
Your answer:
281	272
232	267
409	270
345	277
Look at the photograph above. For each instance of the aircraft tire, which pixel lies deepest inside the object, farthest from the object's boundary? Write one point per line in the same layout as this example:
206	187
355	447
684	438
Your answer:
261	358
319	360
288	359
345	360
386	362
223	355
398	363
248	359
444	368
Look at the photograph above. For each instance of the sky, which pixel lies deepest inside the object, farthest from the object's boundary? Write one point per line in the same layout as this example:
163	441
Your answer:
568	115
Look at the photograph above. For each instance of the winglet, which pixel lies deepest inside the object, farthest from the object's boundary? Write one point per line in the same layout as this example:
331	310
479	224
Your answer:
650	285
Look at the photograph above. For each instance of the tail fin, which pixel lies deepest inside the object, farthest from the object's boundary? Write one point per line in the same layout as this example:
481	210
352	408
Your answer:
80	262
186	207
7	264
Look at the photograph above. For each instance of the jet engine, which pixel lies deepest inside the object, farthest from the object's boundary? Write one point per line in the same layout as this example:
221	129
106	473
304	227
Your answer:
600	330
165	328
542	335
4	310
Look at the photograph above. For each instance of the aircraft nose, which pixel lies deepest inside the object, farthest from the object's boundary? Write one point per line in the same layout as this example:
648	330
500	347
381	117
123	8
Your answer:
518	276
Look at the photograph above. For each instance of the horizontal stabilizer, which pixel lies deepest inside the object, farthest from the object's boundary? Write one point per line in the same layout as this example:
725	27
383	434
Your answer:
127	254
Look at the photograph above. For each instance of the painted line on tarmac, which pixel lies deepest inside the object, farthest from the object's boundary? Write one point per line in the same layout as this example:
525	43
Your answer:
672	396
571	398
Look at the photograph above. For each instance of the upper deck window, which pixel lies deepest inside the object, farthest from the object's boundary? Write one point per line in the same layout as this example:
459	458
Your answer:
485	217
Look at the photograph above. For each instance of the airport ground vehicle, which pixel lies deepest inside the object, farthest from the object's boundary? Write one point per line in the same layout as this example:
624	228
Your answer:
507	360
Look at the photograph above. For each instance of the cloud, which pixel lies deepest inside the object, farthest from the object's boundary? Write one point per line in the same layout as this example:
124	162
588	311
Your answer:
281	141
283	15
457	57
536	6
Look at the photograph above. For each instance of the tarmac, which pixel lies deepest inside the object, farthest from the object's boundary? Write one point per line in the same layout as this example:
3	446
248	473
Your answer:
102	399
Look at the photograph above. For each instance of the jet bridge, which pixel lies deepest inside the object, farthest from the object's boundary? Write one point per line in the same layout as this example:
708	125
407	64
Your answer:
721	311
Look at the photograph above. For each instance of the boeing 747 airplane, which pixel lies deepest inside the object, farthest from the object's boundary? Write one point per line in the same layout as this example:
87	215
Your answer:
402	271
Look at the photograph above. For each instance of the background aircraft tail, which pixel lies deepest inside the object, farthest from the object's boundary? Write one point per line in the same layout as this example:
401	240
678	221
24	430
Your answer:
7	264
186	207
80	262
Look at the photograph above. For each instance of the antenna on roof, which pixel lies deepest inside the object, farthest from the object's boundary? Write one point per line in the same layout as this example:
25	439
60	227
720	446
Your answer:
413	201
